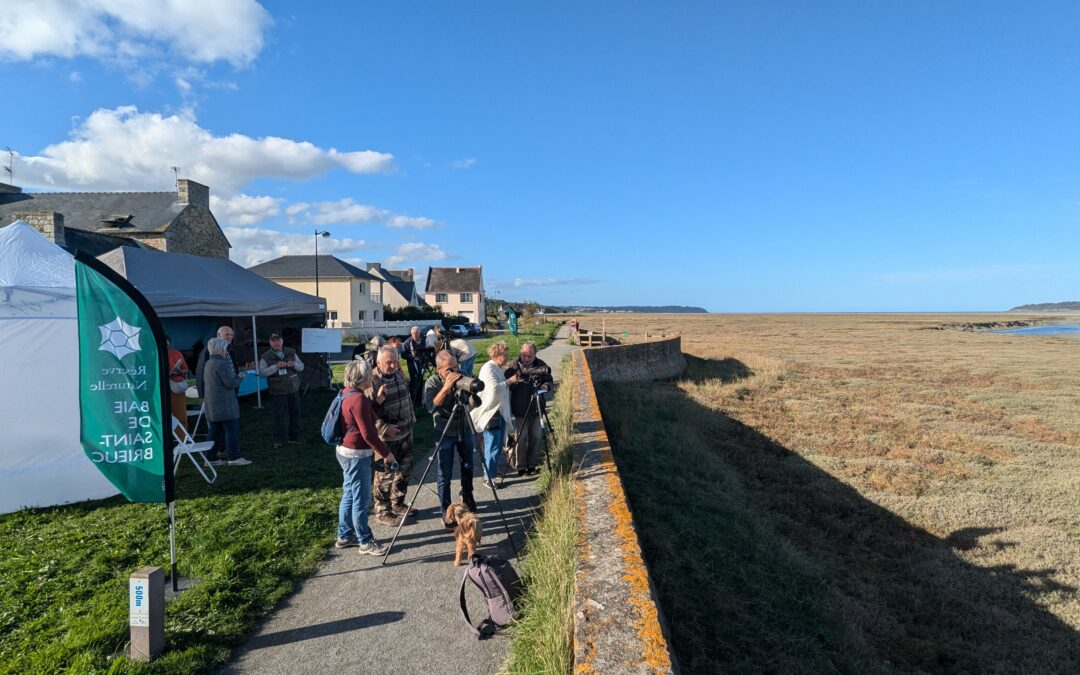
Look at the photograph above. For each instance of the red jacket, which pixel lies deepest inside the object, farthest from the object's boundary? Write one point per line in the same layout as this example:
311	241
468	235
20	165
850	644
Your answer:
358	417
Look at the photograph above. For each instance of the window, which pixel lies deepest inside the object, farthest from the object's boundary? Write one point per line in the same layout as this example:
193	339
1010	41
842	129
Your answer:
361	288
374	315
333	315
440	297
466	297
361	314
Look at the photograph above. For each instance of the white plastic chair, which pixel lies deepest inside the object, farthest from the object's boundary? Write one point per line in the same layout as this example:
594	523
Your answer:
193	392
186	447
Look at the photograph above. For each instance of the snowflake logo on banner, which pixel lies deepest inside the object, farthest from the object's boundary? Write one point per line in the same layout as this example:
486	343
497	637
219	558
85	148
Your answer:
119	338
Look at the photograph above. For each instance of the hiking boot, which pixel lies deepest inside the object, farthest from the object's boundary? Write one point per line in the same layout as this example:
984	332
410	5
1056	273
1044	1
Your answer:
388	519
239	462
346	543
372	548
404	511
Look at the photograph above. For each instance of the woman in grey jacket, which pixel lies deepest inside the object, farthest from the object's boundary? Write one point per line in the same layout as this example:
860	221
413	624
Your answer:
221	406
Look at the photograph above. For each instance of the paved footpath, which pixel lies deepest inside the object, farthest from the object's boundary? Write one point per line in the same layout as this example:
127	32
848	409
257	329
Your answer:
354	615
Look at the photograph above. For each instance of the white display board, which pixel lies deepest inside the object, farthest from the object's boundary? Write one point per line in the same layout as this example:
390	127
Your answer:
320	340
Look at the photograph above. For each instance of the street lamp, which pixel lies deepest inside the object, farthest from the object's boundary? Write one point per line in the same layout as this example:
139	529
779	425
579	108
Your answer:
324	234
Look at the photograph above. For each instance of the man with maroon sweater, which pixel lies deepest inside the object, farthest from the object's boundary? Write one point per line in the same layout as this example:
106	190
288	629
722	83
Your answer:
360	441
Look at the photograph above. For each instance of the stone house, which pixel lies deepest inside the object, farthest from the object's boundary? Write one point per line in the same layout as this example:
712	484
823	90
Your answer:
174	222
352	295
458	291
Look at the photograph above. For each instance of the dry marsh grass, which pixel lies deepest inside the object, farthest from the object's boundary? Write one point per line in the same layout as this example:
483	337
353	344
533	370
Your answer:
866	492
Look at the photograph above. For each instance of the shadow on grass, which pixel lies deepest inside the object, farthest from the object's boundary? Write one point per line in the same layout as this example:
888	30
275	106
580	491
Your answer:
765	563
726	370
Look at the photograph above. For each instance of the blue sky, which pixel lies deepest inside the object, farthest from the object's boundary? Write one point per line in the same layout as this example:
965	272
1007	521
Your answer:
744	157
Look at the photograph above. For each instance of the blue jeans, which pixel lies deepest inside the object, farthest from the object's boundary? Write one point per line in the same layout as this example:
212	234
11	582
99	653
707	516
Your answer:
226	438
466	365
462	447
355	498
493	442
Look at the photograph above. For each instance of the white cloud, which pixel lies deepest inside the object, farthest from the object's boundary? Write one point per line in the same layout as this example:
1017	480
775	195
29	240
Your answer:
124	149
467	163
521	283
415	222
75	77
345	211
253	245
416	252
200	31
244	209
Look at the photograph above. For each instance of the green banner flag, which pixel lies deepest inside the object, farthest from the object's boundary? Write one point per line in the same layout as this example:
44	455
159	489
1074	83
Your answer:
511	321
122	384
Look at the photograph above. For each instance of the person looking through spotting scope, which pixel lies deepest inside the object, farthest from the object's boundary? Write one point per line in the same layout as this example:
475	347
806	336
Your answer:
439	399
534	377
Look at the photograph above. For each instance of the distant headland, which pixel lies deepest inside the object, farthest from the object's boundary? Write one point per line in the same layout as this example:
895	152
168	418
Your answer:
1070	306
638	309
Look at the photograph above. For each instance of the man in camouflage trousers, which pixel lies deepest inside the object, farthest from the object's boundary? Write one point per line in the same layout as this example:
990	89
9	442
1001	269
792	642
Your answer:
394	419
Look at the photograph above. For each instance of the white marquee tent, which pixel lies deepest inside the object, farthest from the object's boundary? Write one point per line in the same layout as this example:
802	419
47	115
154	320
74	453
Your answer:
41	460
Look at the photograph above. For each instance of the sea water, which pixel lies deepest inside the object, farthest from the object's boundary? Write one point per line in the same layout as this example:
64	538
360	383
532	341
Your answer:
1059	329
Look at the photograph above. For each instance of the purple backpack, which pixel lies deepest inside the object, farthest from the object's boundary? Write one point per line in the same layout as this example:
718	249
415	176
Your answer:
489	572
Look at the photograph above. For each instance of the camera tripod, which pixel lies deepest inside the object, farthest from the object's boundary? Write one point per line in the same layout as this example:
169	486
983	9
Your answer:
545	430
465	426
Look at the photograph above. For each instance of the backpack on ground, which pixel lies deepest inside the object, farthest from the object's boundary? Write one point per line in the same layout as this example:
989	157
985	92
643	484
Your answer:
331	429
493	576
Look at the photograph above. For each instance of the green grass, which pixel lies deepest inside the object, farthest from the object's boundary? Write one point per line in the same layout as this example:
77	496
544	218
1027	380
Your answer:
248	539
542	639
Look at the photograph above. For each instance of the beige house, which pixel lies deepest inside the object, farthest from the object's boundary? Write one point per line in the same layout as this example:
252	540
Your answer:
96	222
352	295
400	289
458	291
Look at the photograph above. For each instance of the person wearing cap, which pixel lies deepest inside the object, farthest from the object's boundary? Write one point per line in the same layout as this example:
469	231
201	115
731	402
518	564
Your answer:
281	367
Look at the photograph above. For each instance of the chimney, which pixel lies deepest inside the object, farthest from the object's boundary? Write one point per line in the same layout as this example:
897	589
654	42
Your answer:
48	223
6	189
190	192
374	266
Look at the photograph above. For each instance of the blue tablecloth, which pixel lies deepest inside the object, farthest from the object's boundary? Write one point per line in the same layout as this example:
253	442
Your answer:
250	382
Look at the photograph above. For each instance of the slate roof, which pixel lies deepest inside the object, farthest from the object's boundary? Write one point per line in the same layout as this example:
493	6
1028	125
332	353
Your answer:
453	279
303	267
150	211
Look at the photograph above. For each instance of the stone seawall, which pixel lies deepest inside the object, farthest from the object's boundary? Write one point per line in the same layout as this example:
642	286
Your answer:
652	360
618	627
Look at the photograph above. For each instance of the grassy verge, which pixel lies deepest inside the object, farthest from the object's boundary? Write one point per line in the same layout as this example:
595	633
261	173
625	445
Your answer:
765	562
248	539
543	636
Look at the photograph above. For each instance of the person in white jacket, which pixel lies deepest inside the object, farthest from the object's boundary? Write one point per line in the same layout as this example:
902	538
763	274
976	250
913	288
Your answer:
492	416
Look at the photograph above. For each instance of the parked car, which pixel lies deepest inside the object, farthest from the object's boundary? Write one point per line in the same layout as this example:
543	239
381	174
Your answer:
475	329
459	330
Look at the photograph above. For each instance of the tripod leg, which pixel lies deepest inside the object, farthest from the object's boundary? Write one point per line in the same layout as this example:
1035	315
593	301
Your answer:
495	494
416	492
517	442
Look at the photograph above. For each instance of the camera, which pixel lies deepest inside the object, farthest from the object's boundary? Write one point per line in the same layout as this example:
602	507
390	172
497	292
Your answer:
469	385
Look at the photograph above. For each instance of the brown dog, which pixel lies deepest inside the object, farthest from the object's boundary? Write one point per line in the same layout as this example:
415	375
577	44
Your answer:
468	531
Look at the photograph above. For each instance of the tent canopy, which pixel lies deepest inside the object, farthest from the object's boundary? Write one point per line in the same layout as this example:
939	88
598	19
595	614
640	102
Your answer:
41	459
177	284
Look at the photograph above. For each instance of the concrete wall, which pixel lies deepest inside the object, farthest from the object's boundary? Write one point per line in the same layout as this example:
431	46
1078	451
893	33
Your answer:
618	627
652	360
